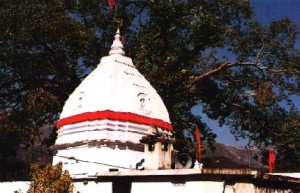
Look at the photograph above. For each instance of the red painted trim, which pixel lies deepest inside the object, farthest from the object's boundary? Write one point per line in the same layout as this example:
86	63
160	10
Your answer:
111	115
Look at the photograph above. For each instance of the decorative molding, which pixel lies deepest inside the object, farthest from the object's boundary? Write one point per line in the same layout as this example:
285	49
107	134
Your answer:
112	115
102	143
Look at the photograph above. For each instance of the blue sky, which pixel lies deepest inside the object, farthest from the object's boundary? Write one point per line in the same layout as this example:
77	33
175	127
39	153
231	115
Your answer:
268	10
265	12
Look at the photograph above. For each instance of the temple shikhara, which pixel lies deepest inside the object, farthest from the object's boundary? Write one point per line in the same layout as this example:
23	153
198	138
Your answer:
107	115
115	136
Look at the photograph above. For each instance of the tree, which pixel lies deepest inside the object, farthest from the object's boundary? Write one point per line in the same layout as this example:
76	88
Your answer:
41	48
288	157
51	179
208	53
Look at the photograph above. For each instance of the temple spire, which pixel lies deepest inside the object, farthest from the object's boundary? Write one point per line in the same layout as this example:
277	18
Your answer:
117	46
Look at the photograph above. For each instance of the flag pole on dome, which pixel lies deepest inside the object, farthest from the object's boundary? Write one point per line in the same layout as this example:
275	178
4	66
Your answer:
111	3
198	139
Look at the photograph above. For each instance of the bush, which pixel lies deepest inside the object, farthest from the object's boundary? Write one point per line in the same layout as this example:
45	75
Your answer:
51	179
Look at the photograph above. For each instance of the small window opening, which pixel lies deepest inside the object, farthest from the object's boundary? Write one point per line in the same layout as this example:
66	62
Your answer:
165	147
151	147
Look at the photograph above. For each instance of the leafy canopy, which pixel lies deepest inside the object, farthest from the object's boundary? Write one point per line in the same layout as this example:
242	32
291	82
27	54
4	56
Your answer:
208	53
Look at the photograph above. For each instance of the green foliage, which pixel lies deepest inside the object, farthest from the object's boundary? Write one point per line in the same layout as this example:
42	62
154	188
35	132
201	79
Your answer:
41	47
288	155
51	179
207	53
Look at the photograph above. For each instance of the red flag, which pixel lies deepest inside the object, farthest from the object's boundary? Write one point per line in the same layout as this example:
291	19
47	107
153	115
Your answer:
198	139
111	3
271	161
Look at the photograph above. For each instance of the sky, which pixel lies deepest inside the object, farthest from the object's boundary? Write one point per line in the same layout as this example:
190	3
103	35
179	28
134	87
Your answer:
269	10
265	12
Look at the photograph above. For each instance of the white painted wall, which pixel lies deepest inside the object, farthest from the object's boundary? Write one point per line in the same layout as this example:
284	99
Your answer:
12	187
92	160
151	187
188	187
93	187
142	187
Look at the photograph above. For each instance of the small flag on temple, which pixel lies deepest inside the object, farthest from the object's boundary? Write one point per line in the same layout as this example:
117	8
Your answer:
198	139
111	3
271	161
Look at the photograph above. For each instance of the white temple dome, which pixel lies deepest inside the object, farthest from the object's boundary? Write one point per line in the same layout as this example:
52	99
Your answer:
112	108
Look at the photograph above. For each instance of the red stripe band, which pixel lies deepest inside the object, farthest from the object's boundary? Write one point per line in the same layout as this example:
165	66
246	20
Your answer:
111	115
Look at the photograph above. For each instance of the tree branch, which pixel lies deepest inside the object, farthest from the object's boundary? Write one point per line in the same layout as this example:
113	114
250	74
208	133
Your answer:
256	63
223	66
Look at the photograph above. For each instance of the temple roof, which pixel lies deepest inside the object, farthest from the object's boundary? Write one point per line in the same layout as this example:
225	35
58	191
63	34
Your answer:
116	91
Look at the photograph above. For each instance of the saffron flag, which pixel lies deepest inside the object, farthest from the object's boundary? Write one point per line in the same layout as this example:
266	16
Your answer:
198	139
271	161
111	3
